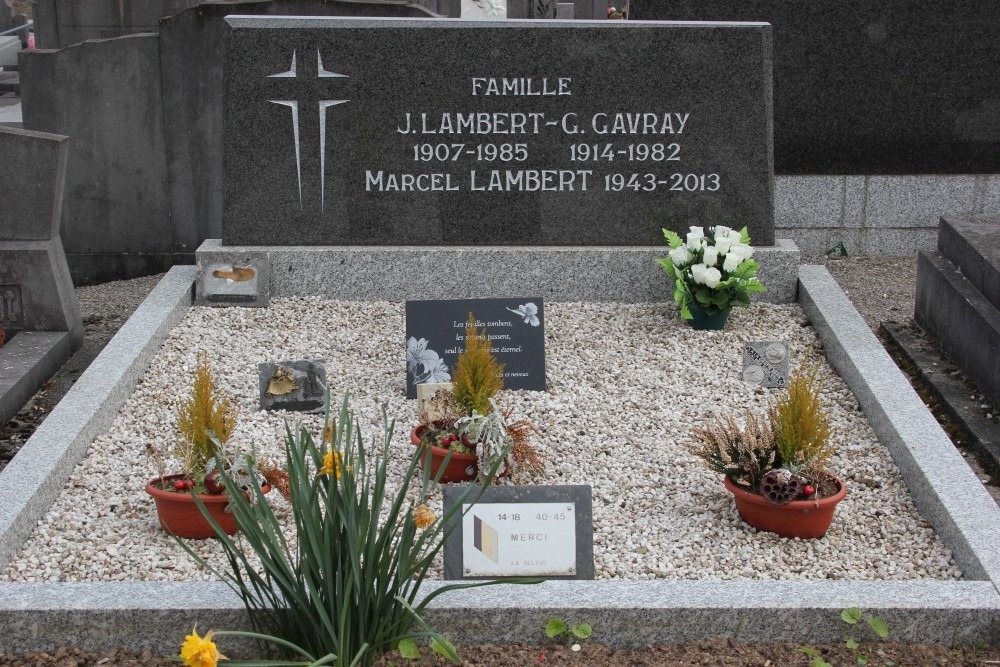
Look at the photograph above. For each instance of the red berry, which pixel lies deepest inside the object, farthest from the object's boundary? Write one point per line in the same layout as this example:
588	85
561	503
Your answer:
180	485
453	437
214	483
808	490
189	484
445	440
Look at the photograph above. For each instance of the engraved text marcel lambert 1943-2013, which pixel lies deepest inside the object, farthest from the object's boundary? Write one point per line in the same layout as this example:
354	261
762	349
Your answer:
627	152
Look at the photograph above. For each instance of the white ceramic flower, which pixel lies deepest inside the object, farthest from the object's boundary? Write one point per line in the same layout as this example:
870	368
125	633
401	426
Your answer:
743	250
735	237
711	256
695	238
698	273
721	232
722	244
680	256
712	277
733	260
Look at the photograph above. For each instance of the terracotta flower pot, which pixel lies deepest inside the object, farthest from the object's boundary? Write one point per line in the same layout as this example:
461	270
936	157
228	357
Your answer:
178	513
799	518
460	468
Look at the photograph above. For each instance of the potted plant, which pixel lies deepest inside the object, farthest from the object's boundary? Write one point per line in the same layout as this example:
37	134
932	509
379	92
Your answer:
775	466
206	421
463	432
711	274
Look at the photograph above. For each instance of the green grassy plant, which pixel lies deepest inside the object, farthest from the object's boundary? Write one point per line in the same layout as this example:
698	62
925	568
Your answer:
346	590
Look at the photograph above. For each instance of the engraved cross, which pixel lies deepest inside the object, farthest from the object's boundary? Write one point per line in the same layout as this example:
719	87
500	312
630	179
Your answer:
323	105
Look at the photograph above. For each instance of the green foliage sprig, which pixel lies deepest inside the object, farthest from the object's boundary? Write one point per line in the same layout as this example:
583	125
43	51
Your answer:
715	273
800	423
346	588
478	376
205	416
557	628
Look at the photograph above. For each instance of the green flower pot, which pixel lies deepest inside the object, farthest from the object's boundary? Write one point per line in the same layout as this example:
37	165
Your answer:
702	321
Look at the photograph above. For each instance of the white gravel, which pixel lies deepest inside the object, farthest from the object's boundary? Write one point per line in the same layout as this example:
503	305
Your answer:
626	384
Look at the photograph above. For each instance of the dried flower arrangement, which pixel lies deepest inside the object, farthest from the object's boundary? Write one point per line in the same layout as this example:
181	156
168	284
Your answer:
782	456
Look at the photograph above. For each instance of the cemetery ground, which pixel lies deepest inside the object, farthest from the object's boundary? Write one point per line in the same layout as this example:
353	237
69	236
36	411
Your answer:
881	288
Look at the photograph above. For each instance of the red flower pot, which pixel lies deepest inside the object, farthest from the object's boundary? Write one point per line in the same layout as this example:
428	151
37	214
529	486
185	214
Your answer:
460	468
179	514
799	518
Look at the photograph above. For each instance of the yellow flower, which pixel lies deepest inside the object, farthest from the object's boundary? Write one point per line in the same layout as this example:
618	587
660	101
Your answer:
423	516
331	464
200	651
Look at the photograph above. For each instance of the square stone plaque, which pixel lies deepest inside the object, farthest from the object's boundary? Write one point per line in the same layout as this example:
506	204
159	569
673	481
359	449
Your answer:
766	364
515	531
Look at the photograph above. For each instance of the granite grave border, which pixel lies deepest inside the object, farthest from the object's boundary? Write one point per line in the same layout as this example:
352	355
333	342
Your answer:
155	616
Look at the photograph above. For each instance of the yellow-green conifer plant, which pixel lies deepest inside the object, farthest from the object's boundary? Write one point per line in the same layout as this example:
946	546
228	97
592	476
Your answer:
204	414
801	425
478	376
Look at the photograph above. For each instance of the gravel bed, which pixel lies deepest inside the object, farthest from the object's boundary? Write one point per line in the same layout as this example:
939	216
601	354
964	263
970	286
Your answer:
626	384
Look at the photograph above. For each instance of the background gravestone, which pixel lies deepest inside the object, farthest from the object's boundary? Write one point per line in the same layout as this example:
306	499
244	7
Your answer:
147	110
574	151
37	302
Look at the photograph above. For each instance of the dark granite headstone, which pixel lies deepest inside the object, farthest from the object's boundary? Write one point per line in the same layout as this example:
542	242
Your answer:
545	531
292	385
435	335
398	132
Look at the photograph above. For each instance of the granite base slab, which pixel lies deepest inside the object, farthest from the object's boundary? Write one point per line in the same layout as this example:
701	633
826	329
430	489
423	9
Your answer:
26	363
156	616
625	274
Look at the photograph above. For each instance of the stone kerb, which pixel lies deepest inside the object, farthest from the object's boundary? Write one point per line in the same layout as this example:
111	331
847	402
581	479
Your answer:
38	473
944	488
156	616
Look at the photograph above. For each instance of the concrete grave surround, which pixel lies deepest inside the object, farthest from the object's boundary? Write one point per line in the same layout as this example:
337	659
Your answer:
958	294
37	301
309	160
156	616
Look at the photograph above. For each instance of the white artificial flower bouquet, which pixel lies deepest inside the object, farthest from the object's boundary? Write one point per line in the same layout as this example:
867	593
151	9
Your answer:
714	273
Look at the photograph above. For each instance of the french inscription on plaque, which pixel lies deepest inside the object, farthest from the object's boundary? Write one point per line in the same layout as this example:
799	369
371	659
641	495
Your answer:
766	364
349	131
435	336
11	307
543	531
